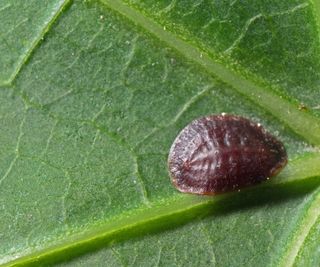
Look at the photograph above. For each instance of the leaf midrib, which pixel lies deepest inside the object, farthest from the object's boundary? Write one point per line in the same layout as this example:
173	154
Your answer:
283	109
299	170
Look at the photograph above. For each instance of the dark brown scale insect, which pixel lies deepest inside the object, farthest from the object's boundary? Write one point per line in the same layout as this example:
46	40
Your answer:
222	153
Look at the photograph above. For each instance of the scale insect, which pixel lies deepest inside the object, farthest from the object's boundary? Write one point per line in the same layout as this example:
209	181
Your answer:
223	153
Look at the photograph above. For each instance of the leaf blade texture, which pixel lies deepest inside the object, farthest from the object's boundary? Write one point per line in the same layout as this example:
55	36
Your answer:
94	94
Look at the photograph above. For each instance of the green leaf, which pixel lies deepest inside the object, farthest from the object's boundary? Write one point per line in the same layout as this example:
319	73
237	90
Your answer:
92	95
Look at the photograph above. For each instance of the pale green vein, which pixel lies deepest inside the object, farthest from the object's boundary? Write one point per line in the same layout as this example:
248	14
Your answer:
16	151
309	219
259	16
141	183
35	42
137	221
180	113
189	103
284	110
243	33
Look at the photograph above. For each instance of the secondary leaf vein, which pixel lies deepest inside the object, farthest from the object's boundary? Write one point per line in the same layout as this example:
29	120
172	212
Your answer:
283	109
35	42
303	230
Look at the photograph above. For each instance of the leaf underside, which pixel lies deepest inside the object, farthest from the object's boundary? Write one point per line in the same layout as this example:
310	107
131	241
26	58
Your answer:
92	94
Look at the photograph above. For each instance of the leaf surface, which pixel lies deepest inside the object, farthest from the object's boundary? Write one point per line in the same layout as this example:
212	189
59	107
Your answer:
92	96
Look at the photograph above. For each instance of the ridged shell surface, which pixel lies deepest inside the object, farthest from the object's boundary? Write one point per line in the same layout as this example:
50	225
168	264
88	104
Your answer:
222	153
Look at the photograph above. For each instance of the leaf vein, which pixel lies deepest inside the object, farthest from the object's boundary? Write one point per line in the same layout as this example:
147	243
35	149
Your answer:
35	42
282	108
16	151
304	228
297	170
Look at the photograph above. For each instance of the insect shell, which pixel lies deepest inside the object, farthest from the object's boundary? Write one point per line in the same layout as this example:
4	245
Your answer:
222	153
